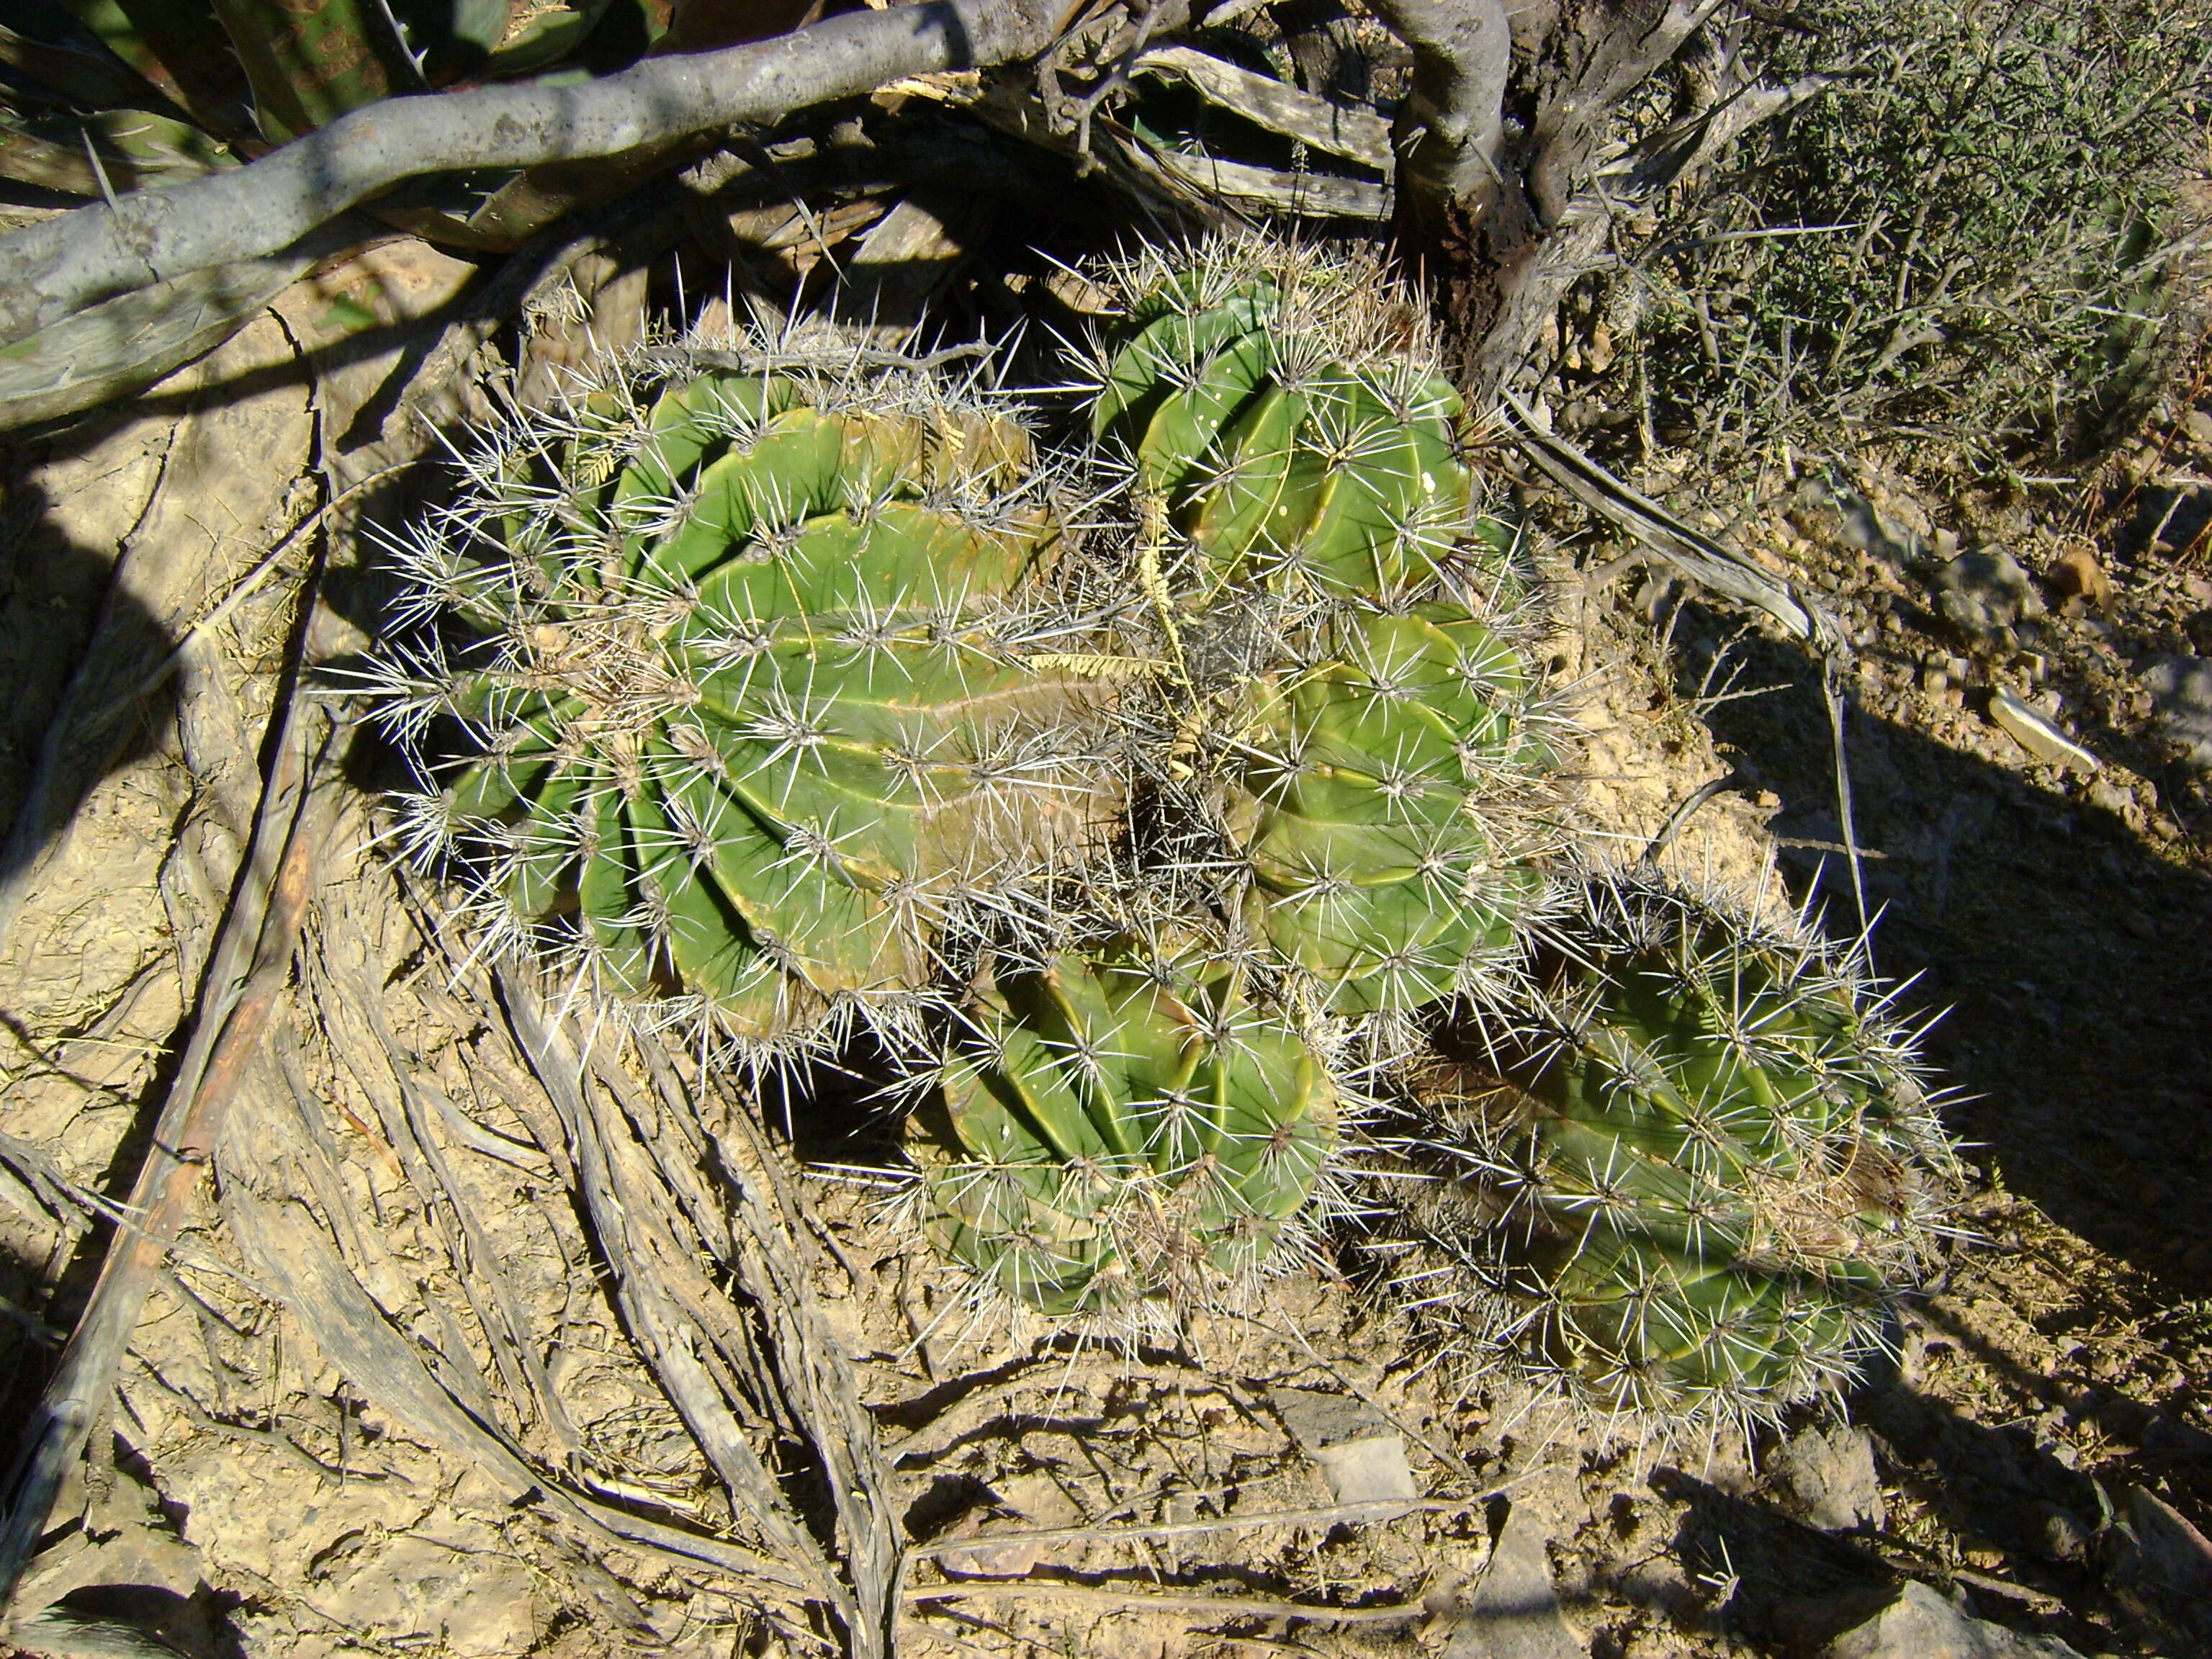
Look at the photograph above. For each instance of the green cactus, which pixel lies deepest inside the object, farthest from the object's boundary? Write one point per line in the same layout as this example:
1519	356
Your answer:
1280	411
1376	799
1121	1126
1696	1178
750	700
1354	713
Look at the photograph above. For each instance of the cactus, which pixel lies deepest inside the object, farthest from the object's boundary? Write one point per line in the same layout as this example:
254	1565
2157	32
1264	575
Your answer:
1125	1124
1378	800
1352	714
750	696
1694	1176
1280	407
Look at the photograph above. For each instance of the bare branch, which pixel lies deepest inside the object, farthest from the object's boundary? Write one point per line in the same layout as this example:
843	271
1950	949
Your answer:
52	269
1451	130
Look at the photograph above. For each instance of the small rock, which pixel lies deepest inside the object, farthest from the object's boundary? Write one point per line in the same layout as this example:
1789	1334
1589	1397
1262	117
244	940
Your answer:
2174	1553
1515	1611
2036	732
2060	1535
2198	426
1921	1625
1985	593
2076	575
1360	1455
1831	1474
2181	702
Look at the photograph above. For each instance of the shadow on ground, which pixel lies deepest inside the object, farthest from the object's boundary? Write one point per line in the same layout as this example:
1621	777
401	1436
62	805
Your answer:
69	636
2075	962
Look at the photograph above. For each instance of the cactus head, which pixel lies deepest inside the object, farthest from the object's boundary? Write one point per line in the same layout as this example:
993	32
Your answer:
1284	408
739	660
1125	1126
1697	1175
1382	800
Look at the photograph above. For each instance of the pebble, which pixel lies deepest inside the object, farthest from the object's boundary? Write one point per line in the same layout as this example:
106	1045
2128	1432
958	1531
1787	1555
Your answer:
2076	575
2035	731
1921	1625
2199	427
1360	1454
1516	1611
2181	702
1984	593
1831	1473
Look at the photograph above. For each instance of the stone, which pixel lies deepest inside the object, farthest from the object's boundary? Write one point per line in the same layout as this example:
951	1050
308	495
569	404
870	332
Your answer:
1921	1625
2059	1534
1830	1474
2181	702
2173	1553
1360	1453
1515	1614
2036	732
2199	428
1984	593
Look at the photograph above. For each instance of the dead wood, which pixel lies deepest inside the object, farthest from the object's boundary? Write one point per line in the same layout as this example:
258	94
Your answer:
53	270
247	972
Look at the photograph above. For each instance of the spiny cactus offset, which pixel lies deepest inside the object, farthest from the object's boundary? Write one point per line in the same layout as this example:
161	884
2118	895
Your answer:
1122	1125
754	718
1282	410
1694	1176
1376	800
1353	715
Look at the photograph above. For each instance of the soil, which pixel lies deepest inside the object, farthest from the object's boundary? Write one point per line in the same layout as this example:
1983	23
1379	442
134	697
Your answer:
407	1361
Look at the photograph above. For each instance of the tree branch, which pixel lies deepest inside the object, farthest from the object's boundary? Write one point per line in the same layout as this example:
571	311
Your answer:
52	269
1451	129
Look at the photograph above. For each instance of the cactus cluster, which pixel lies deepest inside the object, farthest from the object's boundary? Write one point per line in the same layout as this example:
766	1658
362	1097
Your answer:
1353	740
1152	794
1692	1171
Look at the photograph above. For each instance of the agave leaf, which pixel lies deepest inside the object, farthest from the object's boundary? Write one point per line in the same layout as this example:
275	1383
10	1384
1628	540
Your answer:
117	347
311	61
180	48
543	40
44	42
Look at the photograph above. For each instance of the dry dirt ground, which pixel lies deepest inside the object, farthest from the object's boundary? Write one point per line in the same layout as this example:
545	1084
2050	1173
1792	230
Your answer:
478	1347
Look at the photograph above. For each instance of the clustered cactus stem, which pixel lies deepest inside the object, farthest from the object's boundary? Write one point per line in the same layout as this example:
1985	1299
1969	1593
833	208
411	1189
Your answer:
1126	1124
1159	804
749	668
1690	1174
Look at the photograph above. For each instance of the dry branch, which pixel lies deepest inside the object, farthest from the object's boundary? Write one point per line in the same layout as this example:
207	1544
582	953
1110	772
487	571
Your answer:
1452	128
53	270
248	971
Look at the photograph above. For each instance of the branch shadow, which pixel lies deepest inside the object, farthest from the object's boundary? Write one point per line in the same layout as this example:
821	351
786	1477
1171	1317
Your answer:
75	645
